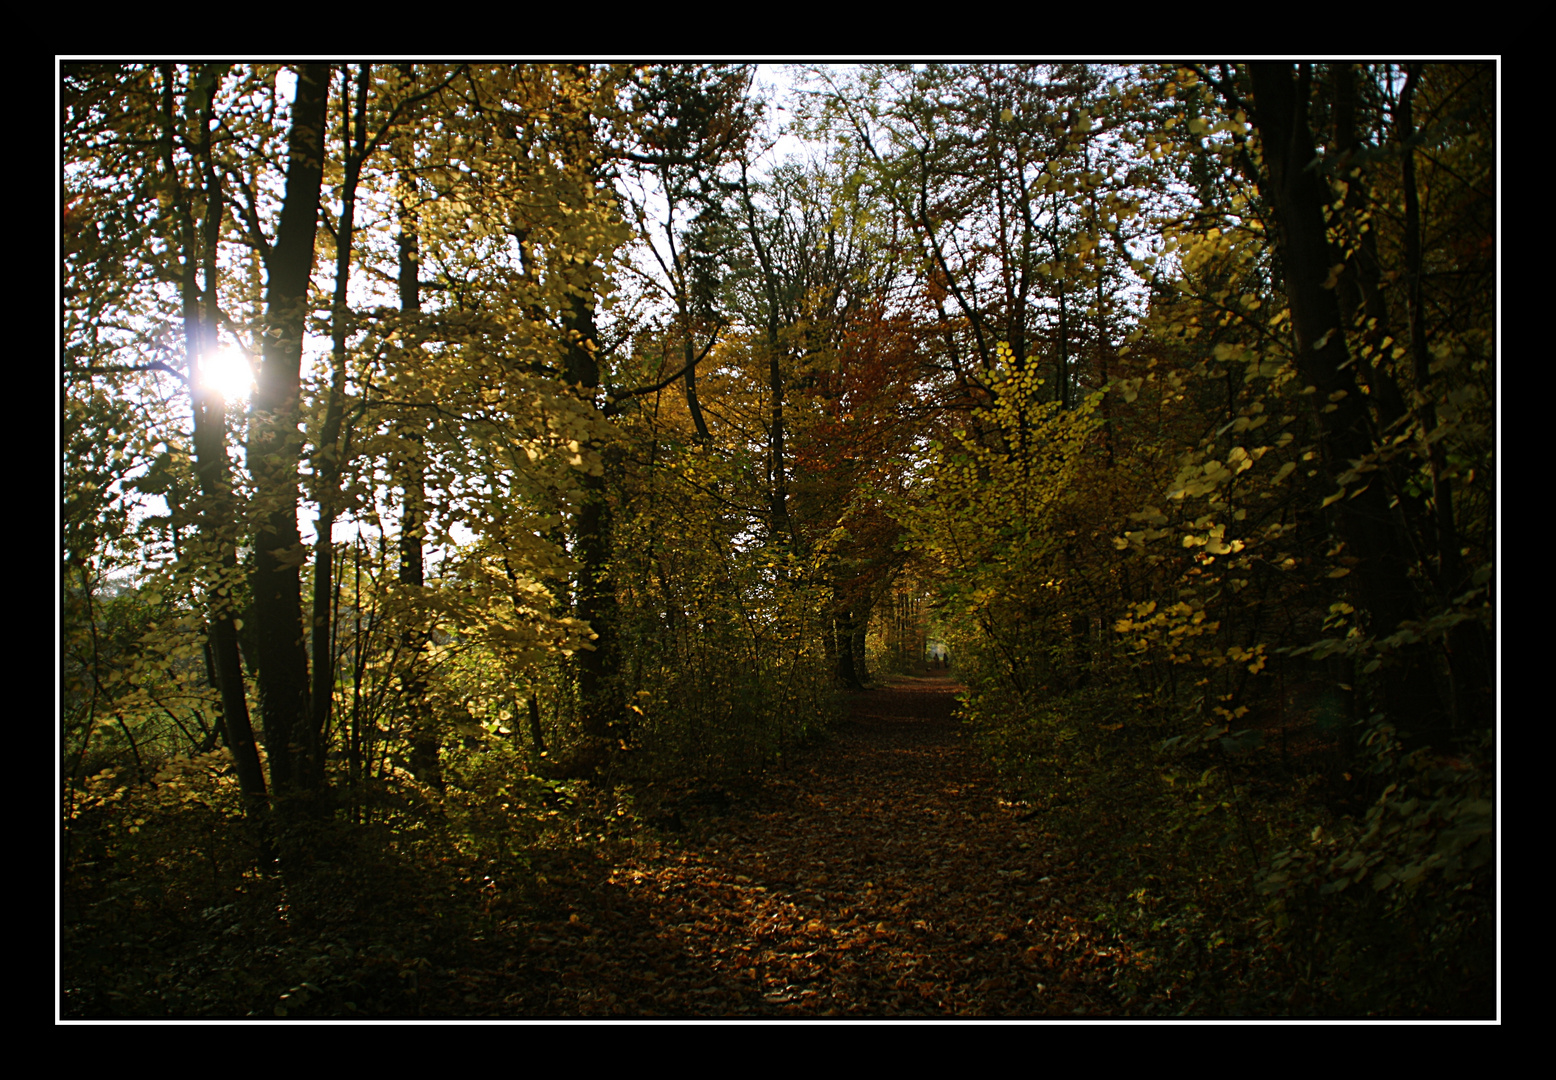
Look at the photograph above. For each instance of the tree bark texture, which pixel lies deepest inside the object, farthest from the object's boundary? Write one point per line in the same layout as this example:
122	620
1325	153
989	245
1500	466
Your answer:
274	449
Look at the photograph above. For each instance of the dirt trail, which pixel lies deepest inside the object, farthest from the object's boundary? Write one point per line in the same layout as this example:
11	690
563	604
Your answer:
883	876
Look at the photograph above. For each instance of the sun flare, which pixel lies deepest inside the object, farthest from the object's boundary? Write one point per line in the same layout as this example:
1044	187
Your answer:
228	373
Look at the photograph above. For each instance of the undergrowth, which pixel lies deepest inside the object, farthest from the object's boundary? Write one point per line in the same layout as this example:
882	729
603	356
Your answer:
1241	879
169	909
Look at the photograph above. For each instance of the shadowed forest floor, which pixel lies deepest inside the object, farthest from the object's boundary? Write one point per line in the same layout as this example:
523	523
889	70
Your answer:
882	875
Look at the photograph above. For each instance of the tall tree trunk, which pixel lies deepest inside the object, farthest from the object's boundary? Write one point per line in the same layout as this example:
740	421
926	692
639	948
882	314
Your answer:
849	674
779	510
274	450
856	642
1103	346
780	528
829	651
1297	194
1080	638
217	517
328	463
537	735
599	683
1362	302
1469	645
422	731
1066	372
678	280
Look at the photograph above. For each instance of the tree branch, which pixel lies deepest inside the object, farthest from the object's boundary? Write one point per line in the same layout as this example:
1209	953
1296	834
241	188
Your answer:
616	396
155	365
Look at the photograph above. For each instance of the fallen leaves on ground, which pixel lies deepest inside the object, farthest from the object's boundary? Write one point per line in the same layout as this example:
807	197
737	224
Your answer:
885	876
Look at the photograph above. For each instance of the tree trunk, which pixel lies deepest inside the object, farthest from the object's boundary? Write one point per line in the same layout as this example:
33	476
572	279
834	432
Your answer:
1080	638
1297	194
1362	302
1469	645
537	735
693	405
216	517
849	660
857	641
781	525
421	726
599	682
780	528
274	450
328	463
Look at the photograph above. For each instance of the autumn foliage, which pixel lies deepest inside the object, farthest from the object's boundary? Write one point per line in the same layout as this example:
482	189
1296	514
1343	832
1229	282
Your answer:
596	463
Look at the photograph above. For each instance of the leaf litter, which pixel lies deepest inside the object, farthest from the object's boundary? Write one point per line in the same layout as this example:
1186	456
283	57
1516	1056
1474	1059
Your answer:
881	875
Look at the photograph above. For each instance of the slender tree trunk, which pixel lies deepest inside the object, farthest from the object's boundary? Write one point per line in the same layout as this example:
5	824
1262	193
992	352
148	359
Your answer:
850	659
274	450
1080	637
829	650
1297	194
599	683
780	527
328	463
693	405
857	642
678	278
1104	346
1360	290
1065	374
537	735
217	517
1469	645
358	739
422	731
843	649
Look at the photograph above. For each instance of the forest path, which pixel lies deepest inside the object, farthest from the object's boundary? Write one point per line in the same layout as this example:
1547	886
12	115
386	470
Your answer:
882	876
